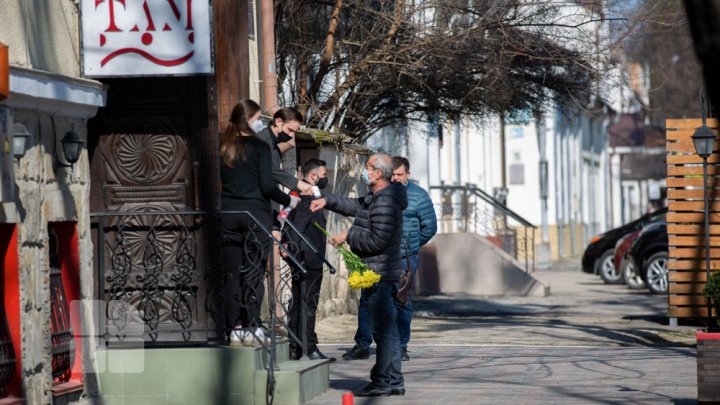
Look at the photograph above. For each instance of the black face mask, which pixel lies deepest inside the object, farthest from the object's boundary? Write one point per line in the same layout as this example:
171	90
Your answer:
283	137
322	183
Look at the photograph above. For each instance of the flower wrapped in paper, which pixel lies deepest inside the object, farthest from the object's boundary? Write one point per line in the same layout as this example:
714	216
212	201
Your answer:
360	275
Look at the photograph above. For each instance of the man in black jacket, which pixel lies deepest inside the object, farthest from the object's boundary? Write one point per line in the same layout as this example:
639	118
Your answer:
314	173
375	236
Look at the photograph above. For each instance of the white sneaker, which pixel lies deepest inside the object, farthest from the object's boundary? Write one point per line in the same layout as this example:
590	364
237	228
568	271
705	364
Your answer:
247	338
260	336
236	337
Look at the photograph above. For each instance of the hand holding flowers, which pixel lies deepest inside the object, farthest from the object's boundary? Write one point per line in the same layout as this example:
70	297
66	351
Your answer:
360	275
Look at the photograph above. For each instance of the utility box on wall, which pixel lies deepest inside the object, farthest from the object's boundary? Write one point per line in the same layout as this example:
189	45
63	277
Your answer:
7	178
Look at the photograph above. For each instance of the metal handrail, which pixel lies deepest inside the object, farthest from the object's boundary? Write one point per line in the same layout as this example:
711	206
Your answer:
331	268
472	214
489	199
202	213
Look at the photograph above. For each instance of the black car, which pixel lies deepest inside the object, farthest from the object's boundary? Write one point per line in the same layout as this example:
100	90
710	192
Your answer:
598	256
650	252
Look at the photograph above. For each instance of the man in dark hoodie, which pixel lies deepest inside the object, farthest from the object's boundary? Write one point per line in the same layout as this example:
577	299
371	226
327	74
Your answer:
375	236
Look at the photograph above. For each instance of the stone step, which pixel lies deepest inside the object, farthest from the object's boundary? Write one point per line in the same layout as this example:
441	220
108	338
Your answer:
205	375
296	382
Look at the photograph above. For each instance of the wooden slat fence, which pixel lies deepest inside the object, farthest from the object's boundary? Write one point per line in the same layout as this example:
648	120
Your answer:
686	233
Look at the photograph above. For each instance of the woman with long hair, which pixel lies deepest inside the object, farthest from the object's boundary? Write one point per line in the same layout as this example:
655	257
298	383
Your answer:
242	116
247	185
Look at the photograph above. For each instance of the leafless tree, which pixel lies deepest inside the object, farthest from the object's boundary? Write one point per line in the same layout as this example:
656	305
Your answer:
662	44
355	66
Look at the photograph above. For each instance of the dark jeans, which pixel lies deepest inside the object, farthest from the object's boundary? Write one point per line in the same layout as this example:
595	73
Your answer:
245	254
404	314
382	315
313	281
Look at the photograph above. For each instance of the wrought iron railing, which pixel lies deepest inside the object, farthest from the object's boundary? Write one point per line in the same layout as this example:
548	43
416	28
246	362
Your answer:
163	278
7	354
470	209
63	340
290	276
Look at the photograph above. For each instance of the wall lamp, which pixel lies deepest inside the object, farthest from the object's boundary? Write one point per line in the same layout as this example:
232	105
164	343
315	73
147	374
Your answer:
72	145
20	140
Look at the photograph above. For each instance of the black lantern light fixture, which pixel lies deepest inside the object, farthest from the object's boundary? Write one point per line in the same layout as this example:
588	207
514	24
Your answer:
72	145
20	140
704	140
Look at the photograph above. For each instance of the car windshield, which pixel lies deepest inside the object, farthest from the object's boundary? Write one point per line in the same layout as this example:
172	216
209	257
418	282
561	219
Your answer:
654	217
658	218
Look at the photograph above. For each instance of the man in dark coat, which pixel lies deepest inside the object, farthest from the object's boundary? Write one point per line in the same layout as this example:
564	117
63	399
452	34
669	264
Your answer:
419	225
375	236
314	173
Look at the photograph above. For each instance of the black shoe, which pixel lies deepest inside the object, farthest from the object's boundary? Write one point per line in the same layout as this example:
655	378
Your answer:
356	353
317	355
371	390
294	353
404	356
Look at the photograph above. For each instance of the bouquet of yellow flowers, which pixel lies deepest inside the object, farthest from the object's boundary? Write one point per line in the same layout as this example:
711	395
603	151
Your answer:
361	276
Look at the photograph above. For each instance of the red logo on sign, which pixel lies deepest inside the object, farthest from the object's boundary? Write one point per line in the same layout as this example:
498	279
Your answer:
146	31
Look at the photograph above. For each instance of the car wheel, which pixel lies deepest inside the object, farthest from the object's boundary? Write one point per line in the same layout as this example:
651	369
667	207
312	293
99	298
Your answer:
656	273
632	277
605	266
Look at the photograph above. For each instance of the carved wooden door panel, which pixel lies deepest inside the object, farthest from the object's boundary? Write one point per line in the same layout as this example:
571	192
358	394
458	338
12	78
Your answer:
143	177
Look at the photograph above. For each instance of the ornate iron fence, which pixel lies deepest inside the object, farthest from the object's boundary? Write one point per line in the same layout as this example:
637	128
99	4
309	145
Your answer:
7	354
469	209
63	341
163	277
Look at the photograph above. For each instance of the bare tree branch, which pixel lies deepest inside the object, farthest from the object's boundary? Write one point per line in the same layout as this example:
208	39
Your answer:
371	63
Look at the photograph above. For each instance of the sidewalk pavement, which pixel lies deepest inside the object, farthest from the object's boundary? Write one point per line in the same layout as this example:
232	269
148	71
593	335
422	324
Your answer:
586	343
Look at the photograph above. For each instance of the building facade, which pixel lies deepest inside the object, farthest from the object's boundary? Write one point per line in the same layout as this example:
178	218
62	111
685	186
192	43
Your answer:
147	144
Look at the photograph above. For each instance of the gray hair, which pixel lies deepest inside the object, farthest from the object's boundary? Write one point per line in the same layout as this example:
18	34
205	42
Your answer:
384	164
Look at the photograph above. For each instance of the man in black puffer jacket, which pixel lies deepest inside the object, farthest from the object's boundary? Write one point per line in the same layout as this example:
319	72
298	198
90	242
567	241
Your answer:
375	236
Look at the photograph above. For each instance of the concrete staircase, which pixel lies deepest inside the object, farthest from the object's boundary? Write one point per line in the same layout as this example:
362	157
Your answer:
207	375
466	263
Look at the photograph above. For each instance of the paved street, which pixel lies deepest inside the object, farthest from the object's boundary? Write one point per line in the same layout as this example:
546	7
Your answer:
586	343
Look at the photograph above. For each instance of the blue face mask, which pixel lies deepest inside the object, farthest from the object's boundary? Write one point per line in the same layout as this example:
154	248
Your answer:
365	177
257	126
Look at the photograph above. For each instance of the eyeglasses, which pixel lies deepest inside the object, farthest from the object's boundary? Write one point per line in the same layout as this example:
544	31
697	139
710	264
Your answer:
370	168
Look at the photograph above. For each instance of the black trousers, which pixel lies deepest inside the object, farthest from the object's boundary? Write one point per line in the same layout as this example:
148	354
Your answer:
246	248
313	281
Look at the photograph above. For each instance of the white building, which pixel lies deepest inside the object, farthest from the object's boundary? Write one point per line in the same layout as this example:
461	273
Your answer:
470	152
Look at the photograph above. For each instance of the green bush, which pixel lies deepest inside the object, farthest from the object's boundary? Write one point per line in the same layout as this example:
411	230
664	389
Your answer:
712	288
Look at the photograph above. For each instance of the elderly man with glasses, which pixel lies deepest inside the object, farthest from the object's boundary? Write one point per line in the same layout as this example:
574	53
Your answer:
375	236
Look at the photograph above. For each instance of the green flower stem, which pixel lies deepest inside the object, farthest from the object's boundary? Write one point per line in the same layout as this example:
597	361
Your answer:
352	261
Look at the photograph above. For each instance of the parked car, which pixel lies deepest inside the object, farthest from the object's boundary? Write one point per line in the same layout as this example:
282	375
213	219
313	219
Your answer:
625	264
650	252
599	254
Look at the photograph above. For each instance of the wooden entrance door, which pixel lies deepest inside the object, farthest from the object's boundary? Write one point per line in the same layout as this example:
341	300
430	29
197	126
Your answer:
144	174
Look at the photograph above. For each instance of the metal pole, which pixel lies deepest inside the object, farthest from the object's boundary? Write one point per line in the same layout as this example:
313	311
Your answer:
273	315
268	71
527	252
707	236
465	209
707	211
101	275
303	315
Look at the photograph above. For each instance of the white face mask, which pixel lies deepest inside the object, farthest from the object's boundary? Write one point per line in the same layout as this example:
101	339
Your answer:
257	126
